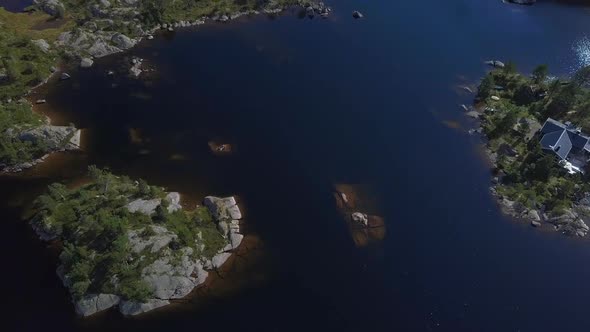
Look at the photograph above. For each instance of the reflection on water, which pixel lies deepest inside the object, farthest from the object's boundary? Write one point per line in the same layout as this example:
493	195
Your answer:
582	51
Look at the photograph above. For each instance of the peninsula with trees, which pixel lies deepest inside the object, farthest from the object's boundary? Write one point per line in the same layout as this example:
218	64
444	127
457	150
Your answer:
131	245
535	136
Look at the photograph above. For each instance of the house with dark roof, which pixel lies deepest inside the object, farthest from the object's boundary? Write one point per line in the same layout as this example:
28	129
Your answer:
565	140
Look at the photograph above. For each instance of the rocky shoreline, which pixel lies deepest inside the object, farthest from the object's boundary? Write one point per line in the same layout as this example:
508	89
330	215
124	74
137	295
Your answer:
57	138
93	40
571	222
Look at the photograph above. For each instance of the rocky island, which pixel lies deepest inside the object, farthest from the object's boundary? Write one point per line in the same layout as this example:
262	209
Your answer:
535	128
131	245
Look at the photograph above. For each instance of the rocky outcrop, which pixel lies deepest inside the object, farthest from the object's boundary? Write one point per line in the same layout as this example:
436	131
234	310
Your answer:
51	7
569	223
223	208
495	63
93	303
148	207
173	278
54	138
135	69
173	199
123	42
86	63
41	44
227	214
157	238
94	43
360	218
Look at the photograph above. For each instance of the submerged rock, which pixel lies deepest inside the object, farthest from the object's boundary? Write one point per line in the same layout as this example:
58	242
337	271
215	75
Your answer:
360	218
357	14
130	308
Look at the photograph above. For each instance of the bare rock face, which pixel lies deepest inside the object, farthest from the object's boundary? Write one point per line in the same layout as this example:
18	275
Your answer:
569	223
51	7
56	137
220	258
94	303
101	48
173	199
41	44
147	207
123	42
223	208
161	238
86	63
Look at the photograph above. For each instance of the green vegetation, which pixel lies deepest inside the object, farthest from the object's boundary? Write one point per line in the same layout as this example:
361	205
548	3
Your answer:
531	176
13	150
23	65
93	224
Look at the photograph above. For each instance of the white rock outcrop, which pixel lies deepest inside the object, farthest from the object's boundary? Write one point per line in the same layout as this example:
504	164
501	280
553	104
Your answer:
93	303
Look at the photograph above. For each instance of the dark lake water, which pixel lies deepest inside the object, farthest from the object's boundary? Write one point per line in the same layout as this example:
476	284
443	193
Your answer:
15	5
308	104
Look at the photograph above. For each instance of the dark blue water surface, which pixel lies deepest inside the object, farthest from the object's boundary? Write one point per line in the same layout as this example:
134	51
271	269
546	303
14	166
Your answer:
311	103
15	5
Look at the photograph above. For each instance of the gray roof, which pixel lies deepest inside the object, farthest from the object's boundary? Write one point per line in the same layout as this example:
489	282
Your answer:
561	139
579	140
558	142
551	126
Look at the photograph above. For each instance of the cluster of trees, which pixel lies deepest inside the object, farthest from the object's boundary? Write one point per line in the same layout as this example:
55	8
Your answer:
22	64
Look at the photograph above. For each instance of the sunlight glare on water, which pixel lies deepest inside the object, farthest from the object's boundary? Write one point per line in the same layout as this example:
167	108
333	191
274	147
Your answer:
582	50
